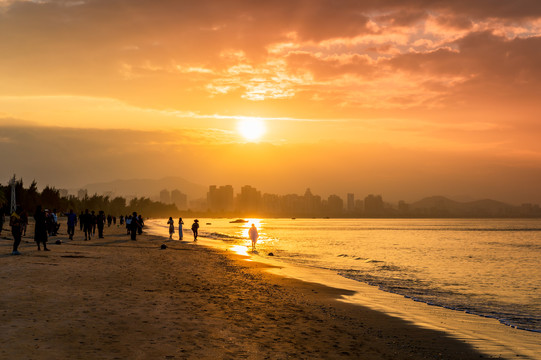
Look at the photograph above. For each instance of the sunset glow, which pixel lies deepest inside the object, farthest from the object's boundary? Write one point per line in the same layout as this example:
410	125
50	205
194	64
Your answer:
251	129
399	98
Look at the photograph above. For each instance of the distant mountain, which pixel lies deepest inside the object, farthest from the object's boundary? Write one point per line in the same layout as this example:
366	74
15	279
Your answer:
147	187
443	206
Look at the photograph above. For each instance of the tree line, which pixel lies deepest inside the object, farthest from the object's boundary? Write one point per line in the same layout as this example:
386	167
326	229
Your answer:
29	198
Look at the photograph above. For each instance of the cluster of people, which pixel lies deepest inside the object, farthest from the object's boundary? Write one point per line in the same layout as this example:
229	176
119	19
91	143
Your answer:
171	223
252	232
134	224
47	225
18	222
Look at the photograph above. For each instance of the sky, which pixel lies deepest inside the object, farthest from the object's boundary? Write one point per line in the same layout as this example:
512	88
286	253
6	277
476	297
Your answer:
406	99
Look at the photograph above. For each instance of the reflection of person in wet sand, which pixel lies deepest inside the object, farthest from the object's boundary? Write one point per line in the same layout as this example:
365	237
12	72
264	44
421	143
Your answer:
253	235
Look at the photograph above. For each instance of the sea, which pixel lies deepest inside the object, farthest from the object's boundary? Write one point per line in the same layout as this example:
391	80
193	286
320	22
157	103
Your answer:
486	267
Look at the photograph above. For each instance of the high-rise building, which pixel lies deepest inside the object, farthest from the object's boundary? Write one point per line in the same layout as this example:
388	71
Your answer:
220	199
335	205
249	199
312	204
351	202
373	205
165	196
179	199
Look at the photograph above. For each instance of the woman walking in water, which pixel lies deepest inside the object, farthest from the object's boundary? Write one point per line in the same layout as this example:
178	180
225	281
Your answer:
180	233
171	227
253	235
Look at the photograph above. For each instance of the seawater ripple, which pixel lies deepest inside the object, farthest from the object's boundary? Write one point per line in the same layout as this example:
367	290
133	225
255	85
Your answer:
487	267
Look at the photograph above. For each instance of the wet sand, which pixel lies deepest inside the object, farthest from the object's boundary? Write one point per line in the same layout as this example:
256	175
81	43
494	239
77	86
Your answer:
114	298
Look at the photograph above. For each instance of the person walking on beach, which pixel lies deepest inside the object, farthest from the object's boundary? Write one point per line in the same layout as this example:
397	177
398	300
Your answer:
55	225
24	222
140	224
100	221
94	222
134	226
40	228
72	221
1	219
16	229
81	216
195	229
128	224
254	235
87	224
180	232
171	227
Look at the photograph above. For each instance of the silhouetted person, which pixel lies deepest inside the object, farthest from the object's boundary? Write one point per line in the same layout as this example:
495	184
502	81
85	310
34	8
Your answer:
121	220
81	215
100	221
141	224
94	222
114	220
171	227
87	224
72	221
254	235
16	229
128	224
134	226
40	229
56	225
24	222
195	229
109	220
180	231
1	219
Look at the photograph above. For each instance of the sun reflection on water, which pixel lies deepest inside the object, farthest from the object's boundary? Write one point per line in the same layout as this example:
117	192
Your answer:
240	249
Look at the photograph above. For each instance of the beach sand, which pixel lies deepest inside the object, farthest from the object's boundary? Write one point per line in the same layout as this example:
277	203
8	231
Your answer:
115	298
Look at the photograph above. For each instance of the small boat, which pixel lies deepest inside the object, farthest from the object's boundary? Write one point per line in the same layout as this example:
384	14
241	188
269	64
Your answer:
238	221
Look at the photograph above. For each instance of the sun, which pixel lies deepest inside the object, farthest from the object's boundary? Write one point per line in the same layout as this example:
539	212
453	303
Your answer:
251	129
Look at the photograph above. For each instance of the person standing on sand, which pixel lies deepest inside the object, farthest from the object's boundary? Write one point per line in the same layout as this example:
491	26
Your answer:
100	221
81	216
1	220
254	235
16	229
24	222
94	222
72	221
171	227
134	226
40	228
128	224
195	229
180	232
140	224
87	224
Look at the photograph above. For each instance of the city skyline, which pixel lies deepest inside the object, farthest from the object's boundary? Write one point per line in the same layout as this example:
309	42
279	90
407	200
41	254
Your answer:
404	98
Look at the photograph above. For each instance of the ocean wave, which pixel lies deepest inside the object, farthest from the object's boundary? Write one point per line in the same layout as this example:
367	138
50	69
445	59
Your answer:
518	317
223	237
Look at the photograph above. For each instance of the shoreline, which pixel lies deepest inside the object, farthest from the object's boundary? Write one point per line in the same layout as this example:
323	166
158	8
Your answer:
116	298
486	334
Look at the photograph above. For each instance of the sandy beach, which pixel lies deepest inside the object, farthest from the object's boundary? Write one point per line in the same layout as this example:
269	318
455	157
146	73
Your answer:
114	298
